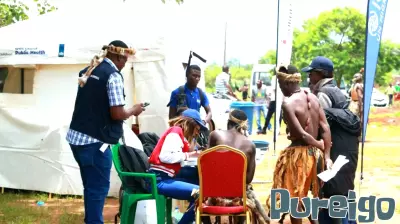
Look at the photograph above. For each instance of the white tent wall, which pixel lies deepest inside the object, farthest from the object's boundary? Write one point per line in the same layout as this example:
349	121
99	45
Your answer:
44	116
34	154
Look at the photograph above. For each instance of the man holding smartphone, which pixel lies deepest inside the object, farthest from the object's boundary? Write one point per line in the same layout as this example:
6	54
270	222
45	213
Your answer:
97	122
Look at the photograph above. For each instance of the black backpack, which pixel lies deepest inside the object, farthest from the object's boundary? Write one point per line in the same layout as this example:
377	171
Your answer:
203	137
132	160
182	97
149	141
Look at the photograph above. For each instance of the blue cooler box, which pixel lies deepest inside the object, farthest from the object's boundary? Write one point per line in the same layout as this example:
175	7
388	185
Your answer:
248	109
262	145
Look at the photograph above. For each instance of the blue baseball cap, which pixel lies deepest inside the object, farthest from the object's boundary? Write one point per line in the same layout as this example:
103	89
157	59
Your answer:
319	62
195	115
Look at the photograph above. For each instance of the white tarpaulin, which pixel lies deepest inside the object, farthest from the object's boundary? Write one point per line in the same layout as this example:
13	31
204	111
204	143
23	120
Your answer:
34	154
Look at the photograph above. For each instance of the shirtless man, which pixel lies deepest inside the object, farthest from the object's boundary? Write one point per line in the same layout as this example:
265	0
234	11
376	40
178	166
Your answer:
235	137
296	168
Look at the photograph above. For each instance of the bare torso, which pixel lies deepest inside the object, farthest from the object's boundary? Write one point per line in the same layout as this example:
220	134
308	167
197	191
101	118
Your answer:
238	141
306	108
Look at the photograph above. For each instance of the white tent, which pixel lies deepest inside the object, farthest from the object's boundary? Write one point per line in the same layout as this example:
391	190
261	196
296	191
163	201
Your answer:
33	152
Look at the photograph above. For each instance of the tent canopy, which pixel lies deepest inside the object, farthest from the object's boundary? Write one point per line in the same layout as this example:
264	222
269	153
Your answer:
84	30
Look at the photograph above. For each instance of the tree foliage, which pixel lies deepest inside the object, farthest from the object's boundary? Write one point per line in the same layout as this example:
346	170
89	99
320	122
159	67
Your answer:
340	35
268	58
12	11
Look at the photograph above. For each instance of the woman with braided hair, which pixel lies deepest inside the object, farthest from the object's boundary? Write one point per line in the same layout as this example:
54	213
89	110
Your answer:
173	148
296	168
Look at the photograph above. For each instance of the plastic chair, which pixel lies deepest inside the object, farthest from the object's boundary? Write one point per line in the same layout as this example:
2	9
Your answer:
219	167
130	199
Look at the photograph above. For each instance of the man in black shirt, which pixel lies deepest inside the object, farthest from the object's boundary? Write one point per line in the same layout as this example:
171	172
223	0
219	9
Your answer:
345	128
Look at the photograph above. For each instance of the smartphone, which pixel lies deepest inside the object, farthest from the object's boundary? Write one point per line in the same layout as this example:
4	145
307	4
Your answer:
146	104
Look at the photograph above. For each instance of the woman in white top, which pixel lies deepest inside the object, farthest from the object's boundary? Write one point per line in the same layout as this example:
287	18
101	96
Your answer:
171	150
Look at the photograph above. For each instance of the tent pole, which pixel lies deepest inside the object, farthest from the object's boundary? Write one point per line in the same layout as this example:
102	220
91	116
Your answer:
134	92
2	190
22	80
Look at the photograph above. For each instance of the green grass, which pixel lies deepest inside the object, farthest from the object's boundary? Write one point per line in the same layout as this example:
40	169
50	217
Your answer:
381	172
22	209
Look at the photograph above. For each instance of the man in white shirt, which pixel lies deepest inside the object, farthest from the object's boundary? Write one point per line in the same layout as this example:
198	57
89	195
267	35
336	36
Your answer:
271	107
260	98
222	85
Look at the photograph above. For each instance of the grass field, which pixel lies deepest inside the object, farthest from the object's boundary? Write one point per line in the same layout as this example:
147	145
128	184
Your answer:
381	178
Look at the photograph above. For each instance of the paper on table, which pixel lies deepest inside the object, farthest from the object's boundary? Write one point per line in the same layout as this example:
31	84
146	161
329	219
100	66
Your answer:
329	174
192	159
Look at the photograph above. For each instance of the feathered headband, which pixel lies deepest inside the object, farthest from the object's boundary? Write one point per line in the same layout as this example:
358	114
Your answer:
97	59
290	74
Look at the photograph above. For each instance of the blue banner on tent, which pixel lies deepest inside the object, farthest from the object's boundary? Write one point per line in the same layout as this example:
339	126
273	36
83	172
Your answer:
375	19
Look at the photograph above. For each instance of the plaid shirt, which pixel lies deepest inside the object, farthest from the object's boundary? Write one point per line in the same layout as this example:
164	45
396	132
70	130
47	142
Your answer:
115	91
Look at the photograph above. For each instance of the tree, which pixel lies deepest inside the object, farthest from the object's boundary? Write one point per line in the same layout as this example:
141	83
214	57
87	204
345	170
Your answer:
12	11
388	62
268	58
240	74
339	35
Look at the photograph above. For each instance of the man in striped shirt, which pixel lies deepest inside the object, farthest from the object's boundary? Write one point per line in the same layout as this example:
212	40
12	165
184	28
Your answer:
222	85
97	122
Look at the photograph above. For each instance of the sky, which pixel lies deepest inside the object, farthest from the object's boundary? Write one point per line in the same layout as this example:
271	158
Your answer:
251	24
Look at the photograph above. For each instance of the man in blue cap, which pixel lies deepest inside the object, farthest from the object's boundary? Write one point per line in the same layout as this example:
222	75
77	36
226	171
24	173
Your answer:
344	127
321	83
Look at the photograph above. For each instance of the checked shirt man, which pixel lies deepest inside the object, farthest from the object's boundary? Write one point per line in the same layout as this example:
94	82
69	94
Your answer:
97	122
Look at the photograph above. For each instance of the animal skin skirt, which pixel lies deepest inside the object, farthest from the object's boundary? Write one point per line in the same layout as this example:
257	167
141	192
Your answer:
296	171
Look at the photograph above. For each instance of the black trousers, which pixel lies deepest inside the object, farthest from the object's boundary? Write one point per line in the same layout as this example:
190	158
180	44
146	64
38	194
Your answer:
271	111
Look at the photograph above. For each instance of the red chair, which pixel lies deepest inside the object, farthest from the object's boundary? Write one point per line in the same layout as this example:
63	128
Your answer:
222	173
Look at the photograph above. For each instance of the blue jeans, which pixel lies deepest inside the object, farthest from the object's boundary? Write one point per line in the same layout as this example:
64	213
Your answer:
190	174
258	109
95	168
177	188
323	218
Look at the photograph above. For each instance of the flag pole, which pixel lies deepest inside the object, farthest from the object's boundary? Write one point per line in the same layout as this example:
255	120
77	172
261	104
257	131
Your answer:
362	135
226	25
276	80
376	11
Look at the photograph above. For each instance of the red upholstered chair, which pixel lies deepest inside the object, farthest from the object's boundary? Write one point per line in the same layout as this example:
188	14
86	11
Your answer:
222	173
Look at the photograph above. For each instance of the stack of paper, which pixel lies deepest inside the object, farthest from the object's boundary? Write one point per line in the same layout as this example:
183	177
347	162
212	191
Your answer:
330	173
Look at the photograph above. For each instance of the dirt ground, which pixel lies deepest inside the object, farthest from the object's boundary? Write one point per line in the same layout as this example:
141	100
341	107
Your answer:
381	178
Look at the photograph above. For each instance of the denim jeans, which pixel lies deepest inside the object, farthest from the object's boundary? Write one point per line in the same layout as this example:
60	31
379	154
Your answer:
258	109
95	168
177	188
324	218
190	174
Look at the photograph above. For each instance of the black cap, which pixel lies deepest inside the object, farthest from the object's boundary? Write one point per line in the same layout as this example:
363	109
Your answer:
319	62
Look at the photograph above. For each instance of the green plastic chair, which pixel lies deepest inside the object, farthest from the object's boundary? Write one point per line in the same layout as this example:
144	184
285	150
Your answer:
130	199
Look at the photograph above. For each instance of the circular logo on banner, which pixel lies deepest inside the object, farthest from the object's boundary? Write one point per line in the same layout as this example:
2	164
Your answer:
373	23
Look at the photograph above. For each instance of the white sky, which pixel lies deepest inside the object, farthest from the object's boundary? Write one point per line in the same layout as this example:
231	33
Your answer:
252	23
